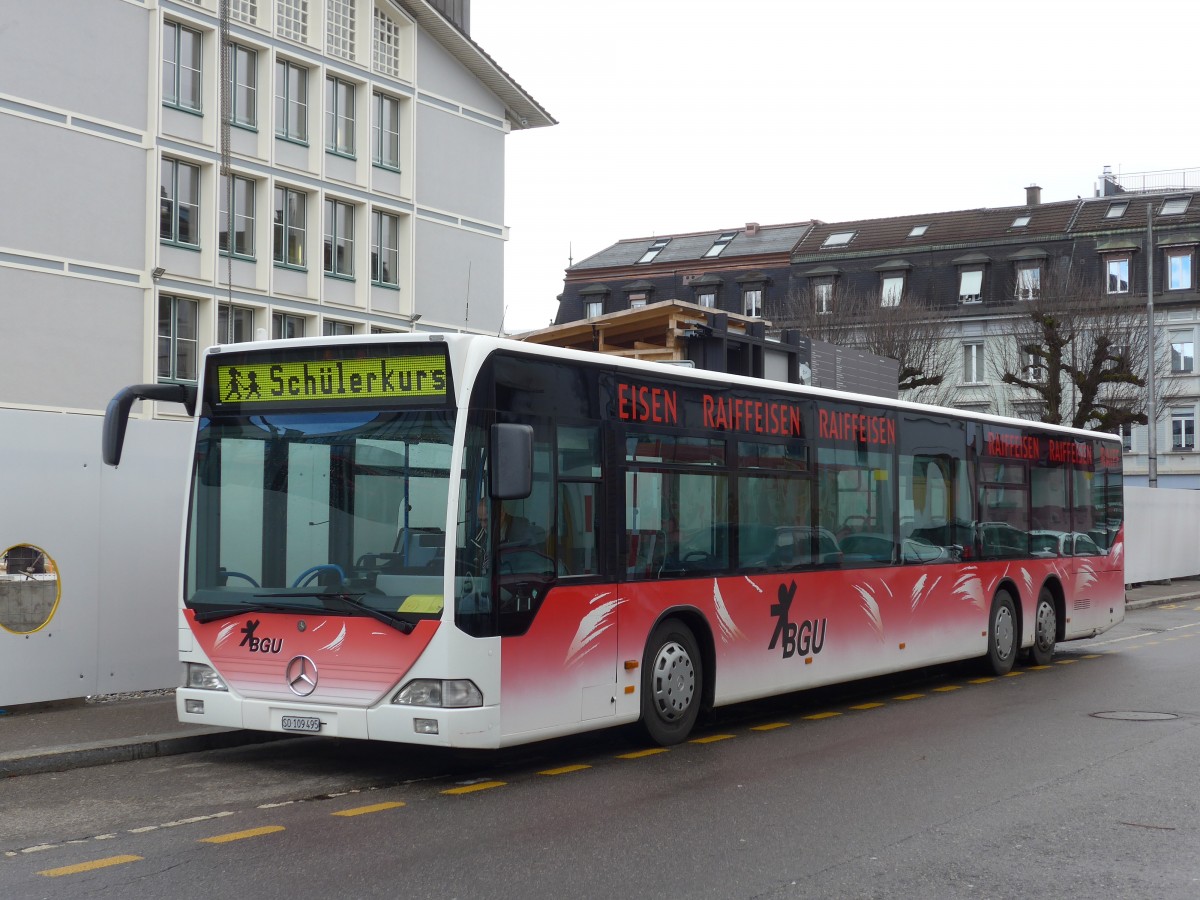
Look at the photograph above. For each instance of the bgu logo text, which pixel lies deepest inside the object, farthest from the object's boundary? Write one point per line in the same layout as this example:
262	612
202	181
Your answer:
257	644
798	639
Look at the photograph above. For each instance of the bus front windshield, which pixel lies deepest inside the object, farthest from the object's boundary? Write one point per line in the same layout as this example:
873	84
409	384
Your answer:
335	511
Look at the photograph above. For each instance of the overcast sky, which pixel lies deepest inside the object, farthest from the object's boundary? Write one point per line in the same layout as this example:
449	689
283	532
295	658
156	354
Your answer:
697	115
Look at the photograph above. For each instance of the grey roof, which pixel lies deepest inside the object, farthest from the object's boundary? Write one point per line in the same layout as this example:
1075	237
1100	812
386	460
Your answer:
692	247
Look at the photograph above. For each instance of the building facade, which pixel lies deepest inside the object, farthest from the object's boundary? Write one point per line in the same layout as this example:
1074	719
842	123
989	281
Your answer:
977	272
346	177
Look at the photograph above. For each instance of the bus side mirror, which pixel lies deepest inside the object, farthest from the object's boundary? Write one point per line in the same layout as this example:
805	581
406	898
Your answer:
116	415
511	461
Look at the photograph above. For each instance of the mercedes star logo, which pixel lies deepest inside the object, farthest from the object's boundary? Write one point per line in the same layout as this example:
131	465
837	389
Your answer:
302	676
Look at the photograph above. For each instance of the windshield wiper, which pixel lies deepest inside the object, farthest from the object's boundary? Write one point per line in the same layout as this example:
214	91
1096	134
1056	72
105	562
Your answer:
351	599
214	615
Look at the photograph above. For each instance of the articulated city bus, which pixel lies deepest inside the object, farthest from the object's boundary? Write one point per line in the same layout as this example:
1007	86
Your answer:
467	541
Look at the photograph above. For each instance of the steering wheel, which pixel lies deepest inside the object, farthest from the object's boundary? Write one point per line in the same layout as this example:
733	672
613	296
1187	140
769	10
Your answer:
309	575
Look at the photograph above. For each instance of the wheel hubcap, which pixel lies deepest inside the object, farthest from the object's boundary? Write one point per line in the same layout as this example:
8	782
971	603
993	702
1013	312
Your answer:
674	681
1004	632
1046	626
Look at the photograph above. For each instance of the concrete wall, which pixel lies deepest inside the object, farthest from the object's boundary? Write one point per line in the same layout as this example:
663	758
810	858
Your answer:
1162	534
114	538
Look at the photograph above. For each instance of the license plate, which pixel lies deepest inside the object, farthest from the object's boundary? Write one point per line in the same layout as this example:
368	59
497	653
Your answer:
310	724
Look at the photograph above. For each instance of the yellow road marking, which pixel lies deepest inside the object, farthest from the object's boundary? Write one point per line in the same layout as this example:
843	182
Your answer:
909	697
472	788
981	680
1037	668
770	727
867	706
241	835
564	770
1065	662
1012	674
639	754
944	689
373	808
823	715
1092	656
90	866
711	739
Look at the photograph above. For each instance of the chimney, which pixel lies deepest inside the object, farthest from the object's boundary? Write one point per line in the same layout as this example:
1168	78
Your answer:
1033	195
751	229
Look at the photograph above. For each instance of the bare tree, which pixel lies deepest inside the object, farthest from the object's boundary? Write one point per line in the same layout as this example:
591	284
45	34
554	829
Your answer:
1079	356
913	332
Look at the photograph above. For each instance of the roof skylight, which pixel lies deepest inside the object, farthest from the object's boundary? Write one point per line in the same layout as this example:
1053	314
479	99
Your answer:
720	244
1116	210
655	249
1020	222
839	239
918	230
1176	206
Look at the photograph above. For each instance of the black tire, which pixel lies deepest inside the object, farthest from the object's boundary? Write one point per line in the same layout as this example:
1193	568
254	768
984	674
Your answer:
672	683
1045	629
1003	637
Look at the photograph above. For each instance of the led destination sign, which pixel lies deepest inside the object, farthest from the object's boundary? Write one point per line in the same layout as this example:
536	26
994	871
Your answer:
421	377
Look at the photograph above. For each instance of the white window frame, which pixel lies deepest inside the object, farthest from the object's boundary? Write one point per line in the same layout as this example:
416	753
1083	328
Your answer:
593	308
340	28
1035	368
385	45
639	299
1029	281
1117	282
1183	352
973	362
823	297
892	290
1179	269
752	301
1183	430
970	286
291	19
707	298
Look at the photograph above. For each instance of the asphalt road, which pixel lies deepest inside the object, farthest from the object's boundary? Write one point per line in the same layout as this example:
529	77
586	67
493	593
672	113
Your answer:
1079	779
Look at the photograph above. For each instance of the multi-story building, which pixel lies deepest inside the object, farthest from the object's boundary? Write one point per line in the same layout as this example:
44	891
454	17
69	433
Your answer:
346	177
977	271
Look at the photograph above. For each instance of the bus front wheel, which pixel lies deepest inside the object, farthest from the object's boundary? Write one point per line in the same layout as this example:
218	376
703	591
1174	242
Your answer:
672	683
1002	635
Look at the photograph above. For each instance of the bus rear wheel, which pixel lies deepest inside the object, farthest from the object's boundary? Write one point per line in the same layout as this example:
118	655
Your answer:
1045	630
1002	635
672	683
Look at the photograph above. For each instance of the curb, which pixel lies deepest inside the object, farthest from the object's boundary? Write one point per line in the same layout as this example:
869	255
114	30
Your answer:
1160	601
80	756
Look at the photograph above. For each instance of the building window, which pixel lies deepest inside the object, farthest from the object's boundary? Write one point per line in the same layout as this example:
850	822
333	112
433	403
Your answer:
752	301
339	238
333	329
823	297
179	210
386	45
1179	270
339	28
1183	352
638	300
385	249
970	286
178	346
243	81
289	227
973	363
291	101
284	325
1020	222
1034	369
1118	274
1116	210
244	10
839	239
385	132
918	230
1176	206
720	244
1126	432
593	308
181	67
339	116
291	19
234	324
707	298
1183	429
1029	281
655	249
892	291
243	216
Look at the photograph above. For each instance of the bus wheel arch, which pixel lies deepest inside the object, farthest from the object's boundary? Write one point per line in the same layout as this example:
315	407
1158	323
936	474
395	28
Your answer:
676	676
1004	631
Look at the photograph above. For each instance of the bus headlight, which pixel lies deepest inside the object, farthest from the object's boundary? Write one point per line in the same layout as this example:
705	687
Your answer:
198	675
455	694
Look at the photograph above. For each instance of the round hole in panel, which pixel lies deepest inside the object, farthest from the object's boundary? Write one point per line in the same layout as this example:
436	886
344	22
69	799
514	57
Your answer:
29	589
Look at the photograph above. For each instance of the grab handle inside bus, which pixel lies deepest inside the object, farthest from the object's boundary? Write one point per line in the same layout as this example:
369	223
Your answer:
511	461
116	416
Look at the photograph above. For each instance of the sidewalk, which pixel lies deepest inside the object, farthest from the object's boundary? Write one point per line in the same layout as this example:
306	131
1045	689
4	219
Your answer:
54	737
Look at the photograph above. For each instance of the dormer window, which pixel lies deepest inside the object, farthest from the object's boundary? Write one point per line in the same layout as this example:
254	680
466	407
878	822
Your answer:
1020	222
655	249
970	286
839	239
720	244
892	290
1116	210
1176	206
1029	280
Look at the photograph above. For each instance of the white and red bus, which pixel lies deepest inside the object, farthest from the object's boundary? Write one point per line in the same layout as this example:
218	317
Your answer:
466	541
